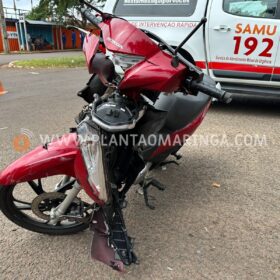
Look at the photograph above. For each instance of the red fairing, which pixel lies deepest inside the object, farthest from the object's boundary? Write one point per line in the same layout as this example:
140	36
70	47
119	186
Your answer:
61	157
119	36
91	45
156	74
122	37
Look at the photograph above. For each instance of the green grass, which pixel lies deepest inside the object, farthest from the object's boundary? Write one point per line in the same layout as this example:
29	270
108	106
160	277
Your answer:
57	62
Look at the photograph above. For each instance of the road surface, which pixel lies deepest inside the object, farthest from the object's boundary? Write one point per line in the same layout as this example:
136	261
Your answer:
196	232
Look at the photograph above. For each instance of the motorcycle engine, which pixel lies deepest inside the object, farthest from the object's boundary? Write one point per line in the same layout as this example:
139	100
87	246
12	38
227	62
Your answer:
117	113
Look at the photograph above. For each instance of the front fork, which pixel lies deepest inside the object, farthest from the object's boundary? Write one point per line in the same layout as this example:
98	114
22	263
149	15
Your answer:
66	179
61	209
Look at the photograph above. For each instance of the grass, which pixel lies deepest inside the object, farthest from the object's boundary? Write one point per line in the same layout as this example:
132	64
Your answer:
57	62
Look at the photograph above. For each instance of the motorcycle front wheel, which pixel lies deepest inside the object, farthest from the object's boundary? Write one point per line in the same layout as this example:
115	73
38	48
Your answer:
29	204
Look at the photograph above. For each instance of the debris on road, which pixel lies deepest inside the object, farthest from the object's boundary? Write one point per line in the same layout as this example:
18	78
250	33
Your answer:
216	185
169	268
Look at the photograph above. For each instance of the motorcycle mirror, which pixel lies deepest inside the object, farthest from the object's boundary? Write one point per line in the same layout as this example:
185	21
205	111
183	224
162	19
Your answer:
175	60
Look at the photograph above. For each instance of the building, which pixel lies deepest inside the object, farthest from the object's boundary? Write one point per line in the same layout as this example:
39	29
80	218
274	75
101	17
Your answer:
12	35
31	35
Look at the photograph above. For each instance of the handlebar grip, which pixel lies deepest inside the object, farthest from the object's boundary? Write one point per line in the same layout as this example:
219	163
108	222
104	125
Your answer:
90	17
211	90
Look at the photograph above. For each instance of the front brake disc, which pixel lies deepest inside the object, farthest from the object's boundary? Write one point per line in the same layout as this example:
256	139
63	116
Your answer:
45	202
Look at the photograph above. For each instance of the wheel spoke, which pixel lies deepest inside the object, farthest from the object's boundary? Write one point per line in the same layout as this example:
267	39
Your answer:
37	188
24	205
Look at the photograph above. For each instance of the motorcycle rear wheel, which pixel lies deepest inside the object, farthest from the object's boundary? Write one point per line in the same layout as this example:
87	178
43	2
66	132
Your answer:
20	212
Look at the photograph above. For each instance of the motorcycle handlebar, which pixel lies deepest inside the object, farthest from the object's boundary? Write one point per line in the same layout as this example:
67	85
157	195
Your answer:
211	90
90	17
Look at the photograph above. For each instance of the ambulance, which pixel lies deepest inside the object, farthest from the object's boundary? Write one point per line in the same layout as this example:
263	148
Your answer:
238	47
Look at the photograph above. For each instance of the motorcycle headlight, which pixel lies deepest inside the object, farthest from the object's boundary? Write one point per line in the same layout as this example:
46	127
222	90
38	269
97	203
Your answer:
91	149
126	61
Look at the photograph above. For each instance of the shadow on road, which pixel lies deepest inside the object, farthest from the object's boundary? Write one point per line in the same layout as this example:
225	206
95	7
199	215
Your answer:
251	106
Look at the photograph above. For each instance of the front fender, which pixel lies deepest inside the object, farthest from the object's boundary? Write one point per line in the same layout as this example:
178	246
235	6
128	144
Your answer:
56	158
61	157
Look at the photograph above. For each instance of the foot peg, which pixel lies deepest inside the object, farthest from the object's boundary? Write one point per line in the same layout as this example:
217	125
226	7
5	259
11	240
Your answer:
177	158
146	185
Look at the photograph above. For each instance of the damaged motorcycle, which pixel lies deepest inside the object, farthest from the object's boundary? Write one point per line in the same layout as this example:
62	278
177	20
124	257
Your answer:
160	94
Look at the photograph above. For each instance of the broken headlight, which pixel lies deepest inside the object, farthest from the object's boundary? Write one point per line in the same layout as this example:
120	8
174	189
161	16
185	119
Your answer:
91	149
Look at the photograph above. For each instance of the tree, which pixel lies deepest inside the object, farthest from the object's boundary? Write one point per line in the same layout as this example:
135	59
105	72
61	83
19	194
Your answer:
41	12
64	11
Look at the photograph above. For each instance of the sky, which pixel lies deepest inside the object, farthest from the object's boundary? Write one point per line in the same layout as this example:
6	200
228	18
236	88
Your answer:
20	4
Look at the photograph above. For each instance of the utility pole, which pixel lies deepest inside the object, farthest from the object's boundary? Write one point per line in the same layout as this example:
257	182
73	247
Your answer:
3	28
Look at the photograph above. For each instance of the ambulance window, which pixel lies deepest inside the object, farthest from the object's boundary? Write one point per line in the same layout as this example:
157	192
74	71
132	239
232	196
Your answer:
155	8
251	8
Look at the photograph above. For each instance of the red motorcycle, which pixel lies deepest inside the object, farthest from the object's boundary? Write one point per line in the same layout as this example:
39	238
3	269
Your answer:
162	96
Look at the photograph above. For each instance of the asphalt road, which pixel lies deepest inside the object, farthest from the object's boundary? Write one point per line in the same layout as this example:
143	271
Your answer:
6	59
196	232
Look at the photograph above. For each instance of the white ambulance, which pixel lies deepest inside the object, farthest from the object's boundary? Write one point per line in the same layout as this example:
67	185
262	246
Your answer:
239	46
